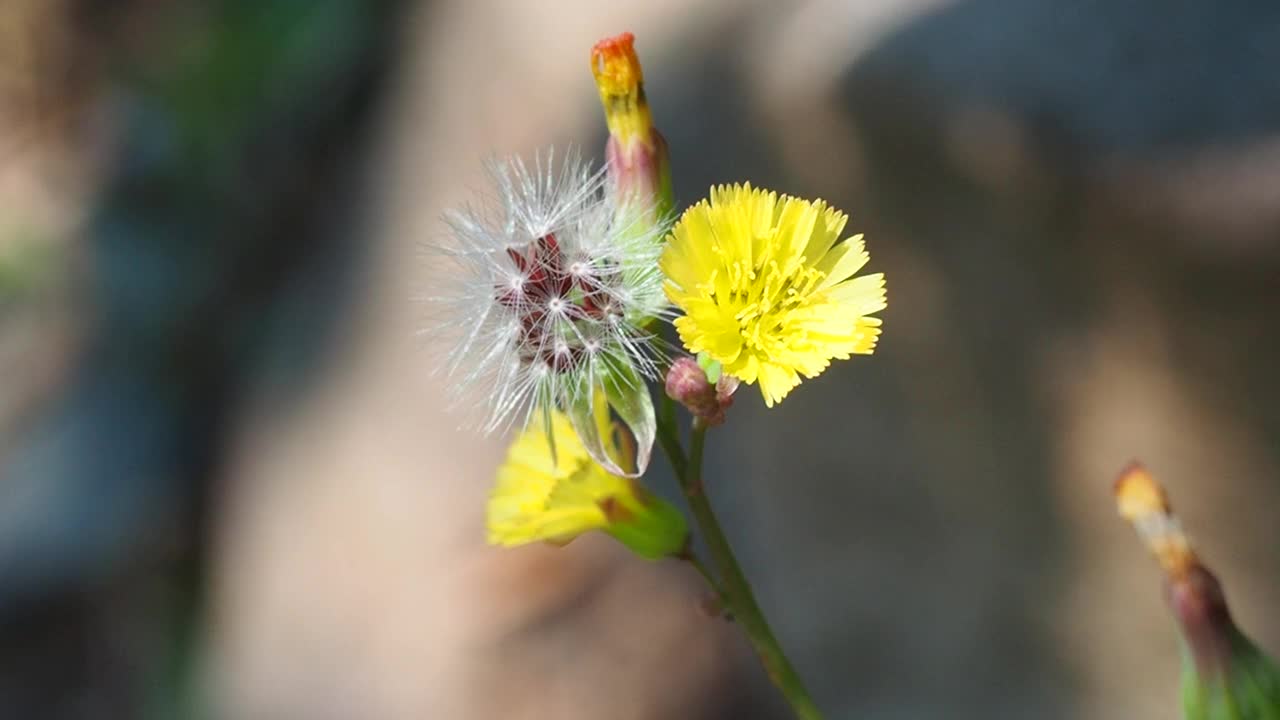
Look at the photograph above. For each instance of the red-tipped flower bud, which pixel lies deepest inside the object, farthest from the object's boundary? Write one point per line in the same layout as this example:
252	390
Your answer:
636	152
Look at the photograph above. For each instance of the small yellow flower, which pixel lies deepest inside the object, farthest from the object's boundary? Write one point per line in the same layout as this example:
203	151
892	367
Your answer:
767	287
555	496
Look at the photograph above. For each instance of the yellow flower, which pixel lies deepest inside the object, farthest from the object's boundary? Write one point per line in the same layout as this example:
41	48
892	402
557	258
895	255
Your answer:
556	495
767	287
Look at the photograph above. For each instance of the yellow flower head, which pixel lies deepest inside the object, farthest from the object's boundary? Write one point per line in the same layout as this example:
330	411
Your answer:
767	287
555	496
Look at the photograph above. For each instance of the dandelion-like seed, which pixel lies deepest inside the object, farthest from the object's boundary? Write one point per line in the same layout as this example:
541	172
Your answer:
551	301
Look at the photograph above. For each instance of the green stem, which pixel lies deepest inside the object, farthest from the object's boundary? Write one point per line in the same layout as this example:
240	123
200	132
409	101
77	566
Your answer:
669	436
705	572
734	589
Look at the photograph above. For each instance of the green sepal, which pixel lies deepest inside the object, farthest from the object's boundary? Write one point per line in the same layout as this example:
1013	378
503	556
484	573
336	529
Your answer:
649	526
710	367
1247	688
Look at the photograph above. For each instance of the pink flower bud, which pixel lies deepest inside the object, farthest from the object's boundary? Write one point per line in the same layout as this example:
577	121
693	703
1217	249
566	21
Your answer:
687	384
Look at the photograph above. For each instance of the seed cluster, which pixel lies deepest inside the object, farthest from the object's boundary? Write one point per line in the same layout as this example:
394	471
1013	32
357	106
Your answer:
563	304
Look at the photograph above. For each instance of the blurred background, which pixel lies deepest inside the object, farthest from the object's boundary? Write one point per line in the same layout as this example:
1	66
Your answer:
228	489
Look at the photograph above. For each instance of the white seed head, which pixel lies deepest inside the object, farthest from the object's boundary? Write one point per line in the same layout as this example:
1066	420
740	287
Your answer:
549	290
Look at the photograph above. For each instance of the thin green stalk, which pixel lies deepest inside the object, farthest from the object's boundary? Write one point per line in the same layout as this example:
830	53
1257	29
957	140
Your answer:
734	589
706	574
669	436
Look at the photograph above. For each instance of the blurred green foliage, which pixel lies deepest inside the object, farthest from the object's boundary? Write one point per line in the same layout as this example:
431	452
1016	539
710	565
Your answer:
29	266
226	70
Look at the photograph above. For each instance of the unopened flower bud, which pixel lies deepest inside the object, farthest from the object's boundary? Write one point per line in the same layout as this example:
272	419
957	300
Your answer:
688	385
1196	599
636	152
1225	675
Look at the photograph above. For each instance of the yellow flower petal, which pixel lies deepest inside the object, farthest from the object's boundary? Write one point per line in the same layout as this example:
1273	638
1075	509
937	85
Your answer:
541	498
767	287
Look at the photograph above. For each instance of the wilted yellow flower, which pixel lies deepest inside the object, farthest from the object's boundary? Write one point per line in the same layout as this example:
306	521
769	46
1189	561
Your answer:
543	495
767	287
